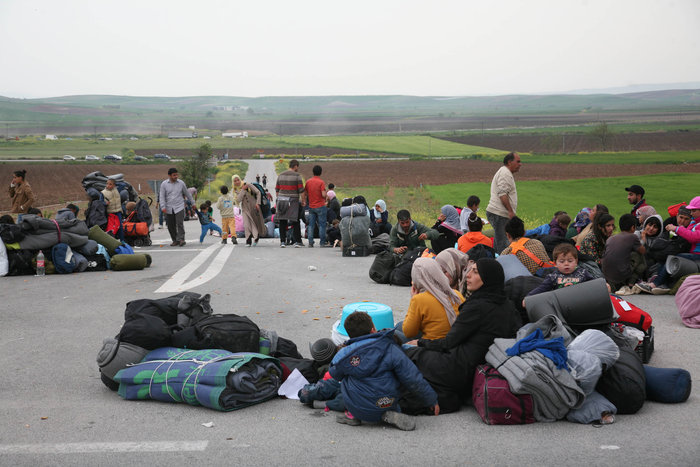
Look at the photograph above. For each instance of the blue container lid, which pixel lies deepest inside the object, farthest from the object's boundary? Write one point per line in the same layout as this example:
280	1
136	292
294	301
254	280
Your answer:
382	315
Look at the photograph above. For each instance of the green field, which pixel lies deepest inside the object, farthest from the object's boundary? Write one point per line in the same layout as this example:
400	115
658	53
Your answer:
537	201
410	145
666	157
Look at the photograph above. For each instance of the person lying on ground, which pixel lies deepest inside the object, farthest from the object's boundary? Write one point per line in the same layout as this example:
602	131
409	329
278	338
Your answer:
373	371
434	304
408	234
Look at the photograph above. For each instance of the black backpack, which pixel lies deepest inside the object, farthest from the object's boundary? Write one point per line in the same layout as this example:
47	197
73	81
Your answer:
401	275
624	384
229	332
264	202
382	266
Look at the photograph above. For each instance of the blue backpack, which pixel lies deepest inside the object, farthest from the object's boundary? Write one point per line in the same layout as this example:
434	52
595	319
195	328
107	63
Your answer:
63	259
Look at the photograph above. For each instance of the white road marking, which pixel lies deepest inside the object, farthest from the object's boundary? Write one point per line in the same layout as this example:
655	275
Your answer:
178	282
80	448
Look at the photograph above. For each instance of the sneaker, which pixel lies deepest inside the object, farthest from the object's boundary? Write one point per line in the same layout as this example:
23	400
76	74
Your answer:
636	289
234	241
645	286
282	245
224	241
661	290
183	243
255	243
624	290
298	245
399	420
347	419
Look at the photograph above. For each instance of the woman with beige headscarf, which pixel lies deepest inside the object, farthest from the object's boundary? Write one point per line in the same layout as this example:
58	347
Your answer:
434	304
249	199
455	265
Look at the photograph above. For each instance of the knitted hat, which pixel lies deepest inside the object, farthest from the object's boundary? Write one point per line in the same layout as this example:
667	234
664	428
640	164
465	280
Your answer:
323	350
694	203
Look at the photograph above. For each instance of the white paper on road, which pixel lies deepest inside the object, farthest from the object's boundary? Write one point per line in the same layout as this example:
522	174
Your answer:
290	388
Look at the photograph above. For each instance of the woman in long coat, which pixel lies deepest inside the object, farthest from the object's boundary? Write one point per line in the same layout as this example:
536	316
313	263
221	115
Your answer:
249	199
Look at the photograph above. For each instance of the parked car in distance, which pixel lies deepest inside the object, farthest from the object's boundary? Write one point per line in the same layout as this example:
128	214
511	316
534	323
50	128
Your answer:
68	157
161	156
140	158
112	157
91	157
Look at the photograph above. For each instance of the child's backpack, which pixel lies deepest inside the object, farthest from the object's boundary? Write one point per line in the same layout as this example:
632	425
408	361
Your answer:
495	402
264	201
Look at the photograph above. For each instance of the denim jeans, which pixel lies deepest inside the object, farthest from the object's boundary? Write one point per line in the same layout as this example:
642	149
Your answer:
498	223
206	228
317	215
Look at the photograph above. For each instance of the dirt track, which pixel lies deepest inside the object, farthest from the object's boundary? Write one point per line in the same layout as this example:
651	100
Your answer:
55	183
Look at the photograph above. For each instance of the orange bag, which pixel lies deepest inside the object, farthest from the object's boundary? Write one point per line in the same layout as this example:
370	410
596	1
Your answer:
135	229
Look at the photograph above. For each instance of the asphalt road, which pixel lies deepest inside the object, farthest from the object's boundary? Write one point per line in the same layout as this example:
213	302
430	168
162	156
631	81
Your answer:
55	411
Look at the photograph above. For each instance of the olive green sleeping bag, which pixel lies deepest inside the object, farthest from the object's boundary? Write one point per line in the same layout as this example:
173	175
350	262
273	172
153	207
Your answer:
130	262
103	238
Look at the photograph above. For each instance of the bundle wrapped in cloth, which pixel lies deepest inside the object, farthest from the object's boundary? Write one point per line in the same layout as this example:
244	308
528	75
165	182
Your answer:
213	378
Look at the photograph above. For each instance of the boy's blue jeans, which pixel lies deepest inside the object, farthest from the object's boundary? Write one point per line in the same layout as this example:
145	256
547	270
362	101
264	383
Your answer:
206	228
317	215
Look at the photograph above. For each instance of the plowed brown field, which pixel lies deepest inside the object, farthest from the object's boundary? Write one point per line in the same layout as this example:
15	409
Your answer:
55	183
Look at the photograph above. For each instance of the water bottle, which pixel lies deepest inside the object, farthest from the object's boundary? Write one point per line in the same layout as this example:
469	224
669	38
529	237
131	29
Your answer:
40	265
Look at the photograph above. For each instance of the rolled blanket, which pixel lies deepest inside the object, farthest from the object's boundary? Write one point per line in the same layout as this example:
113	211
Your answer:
213	378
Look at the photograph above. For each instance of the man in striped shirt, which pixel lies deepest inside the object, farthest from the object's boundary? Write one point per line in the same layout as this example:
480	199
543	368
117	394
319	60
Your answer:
290	196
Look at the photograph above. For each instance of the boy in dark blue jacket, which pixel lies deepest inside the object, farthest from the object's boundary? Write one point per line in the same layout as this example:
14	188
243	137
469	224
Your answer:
373	371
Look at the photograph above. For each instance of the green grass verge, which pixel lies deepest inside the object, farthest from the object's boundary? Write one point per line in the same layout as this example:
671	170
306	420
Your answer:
668	157
399	144
538	200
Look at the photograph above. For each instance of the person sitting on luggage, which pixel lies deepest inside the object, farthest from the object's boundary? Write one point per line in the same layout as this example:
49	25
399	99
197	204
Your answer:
623	261
373	371
206	221
379	219
474	236
448	227
529	251
407	234
566	272
434	305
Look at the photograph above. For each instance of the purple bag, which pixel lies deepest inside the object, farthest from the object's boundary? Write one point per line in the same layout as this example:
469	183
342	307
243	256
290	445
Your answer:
494	401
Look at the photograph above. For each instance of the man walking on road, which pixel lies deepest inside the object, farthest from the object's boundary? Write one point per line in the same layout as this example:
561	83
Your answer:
316	194
290	196
173	193
504	199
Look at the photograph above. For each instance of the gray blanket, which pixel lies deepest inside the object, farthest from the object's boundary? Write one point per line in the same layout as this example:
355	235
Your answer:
44	233
554	391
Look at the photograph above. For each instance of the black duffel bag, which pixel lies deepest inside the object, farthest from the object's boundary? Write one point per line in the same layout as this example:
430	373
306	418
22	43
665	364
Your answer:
229	332
382	266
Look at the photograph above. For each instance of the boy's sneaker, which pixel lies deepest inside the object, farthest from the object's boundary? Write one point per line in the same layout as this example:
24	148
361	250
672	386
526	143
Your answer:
645	286
282	245
347	419
234	241
661	290
224	241
399	420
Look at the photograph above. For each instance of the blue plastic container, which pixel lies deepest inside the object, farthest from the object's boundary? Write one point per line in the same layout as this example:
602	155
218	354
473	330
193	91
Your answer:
382	316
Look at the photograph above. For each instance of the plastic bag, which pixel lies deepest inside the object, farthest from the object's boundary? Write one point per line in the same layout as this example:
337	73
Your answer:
586	369
597	343
592	408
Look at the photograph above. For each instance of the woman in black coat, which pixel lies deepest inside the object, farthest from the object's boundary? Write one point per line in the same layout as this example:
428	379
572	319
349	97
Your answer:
448	364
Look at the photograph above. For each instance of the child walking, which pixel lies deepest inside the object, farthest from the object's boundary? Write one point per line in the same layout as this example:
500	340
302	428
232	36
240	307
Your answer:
206	221
225	205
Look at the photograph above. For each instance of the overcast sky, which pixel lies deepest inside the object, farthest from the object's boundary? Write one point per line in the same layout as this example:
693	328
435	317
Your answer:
269	47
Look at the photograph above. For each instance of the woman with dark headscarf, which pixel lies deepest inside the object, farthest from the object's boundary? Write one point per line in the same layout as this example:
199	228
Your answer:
448	364
449	228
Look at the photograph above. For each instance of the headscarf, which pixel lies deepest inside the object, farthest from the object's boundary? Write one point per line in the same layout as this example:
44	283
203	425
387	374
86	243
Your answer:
644	213
382	204
493	277
427	276
451	218
235	188
330	194
455	263
583	218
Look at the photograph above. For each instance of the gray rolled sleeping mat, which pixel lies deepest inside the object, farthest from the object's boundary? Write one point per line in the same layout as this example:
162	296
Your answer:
115	356
678	267
586	304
